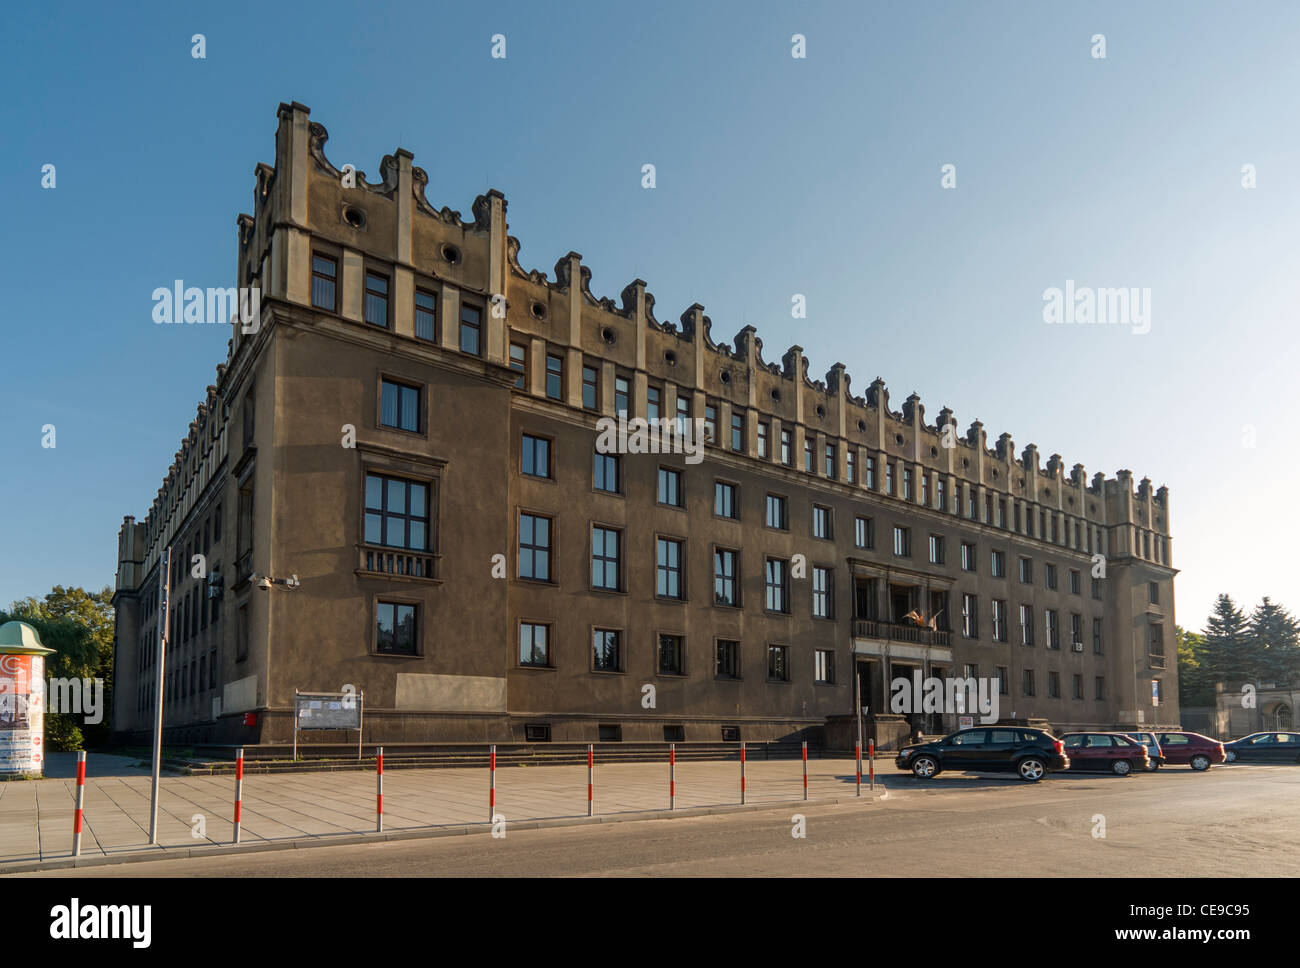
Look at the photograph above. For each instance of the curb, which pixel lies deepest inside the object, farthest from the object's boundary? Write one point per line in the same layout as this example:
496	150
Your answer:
419	833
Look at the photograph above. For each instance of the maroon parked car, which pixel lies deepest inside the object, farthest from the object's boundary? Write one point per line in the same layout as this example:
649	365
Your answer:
1195	750
1105	752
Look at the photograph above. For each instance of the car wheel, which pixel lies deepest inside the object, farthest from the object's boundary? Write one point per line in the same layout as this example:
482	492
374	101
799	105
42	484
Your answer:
924	767
1032	769
1122	767
1153	765
1200	762
1231	756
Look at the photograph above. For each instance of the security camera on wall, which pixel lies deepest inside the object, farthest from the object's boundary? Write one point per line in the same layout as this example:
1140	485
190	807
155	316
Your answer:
263	583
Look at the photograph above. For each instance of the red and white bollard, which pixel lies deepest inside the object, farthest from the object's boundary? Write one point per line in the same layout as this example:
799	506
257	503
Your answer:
81	800
591	780
672	775
742	771
871	761
805	769
492	787
857	755
379	790
239	790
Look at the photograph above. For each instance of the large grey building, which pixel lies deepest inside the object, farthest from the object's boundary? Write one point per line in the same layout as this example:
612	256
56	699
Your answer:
411	428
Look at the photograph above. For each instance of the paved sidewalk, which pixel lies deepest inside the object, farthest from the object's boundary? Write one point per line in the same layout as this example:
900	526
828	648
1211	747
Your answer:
36	817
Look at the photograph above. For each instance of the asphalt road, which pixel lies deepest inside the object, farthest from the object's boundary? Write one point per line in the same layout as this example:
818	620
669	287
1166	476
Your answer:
1237	821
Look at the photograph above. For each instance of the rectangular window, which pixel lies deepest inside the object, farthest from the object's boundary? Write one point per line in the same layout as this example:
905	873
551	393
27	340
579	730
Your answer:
968	556
671	655
936	549
970	616
822	522
776	516
534	547
1004	681
907	483
710	423
775	575
622	395
1027	624
554	376
670	487
471	324
1027	682
925	489
738	430
824	667
1077	686
1099	685
889	478
1054	685
999	620
1096	636
654	402
787	458
778	663
376	302
399	406
606	655
762	439
871	474
1049	576
725	504
590	383
726	586
998	562
808	453
850	466
605	558
324	278
395	628
1076	632
605	472
534	644
829	457
426	315
684	416
1096	589
519	363
1026	571
864	533
823	587
535	456
728	659
972	503
668	568
397	513
1075	582
902	542
1156	640
1002	512
1153	593
941	493
1053	630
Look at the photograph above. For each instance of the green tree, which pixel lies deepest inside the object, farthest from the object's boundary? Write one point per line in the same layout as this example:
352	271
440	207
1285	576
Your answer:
1227	653
1276	643
79	627
1195	680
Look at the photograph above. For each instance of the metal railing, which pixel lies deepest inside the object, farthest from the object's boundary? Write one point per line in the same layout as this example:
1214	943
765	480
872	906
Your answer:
871	628
397	561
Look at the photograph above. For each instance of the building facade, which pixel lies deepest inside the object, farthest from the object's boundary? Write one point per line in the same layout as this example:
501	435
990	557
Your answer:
410	426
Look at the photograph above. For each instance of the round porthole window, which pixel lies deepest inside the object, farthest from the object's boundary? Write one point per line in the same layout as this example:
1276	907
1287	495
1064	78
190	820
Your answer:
821	411
725	376
538	310
450	253
898	438
862	426
354	216
608	336
670	358
934	451
995	473
776	395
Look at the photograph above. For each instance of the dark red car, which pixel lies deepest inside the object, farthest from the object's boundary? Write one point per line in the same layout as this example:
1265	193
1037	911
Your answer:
1195	750
1105	752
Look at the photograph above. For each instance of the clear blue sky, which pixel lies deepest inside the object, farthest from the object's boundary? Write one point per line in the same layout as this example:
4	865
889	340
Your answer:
776	176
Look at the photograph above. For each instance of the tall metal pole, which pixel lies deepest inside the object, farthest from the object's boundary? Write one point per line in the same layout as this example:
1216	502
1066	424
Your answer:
857	711
164	635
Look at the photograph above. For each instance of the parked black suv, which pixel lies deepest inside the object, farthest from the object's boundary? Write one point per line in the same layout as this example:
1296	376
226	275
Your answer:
1031	753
